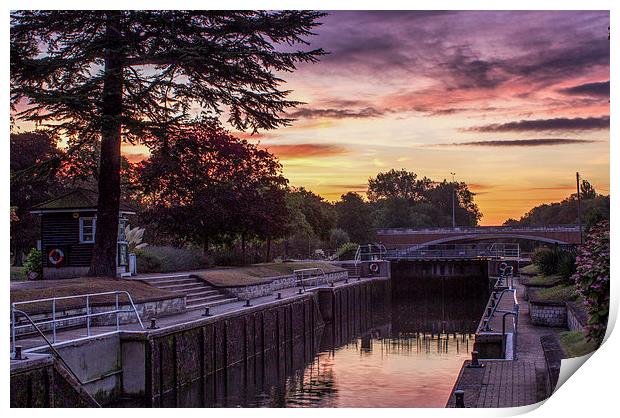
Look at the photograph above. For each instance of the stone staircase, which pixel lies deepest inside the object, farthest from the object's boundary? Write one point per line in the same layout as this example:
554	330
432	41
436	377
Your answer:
199	294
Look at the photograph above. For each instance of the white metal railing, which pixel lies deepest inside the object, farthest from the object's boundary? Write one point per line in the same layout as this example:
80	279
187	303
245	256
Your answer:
308	275
425	251
52	323
370	252
505	280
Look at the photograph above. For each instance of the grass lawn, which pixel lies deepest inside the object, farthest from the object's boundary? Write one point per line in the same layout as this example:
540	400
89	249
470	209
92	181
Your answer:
17	273
43	289
530	269
542	279
559	293
258	273
575	344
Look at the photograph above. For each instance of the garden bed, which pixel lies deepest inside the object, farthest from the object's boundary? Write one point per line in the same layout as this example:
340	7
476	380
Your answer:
575	344
258	273
140	292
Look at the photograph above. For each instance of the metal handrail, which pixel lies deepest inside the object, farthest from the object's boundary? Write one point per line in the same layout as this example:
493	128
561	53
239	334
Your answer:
494	251
88	314
370	253
55	353
300	280
515	313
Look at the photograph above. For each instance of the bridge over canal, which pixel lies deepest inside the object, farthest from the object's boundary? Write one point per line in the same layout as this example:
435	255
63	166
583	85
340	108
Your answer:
400	237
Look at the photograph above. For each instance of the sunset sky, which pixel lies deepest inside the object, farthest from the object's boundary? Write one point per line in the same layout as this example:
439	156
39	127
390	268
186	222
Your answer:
513	102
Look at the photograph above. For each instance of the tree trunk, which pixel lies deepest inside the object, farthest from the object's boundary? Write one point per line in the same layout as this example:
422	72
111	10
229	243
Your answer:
205	244
243	248
103	262
268	258
18	256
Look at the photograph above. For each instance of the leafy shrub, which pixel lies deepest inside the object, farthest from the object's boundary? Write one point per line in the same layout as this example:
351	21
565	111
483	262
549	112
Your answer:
134	237
592	280
338	237
346	251
153	259
554	261
566	266
546	260
34	262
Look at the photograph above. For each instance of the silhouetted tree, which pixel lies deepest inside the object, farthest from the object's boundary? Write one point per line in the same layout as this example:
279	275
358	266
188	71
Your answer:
355	216
206	186
402	200
29	186
137	75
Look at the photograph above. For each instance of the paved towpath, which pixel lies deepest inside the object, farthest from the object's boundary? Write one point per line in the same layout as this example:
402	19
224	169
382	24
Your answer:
31	342
509	383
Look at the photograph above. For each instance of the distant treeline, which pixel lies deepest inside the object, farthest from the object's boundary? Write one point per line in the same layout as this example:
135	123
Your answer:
207	190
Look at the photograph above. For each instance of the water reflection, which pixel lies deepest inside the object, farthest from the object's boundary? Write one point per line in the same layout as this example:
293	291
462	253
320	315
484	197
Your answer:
405	352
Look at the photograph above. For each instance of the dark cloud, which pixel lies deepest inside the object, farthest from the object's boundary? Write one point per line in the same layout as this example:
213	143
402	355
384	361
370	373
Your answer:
537	125
310	113
522	142
454	110
466	70
530	50
600	89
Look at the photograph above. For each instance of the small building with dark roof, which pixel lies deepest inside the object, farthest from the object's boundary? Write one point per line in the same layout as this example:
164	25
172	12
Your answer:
68	225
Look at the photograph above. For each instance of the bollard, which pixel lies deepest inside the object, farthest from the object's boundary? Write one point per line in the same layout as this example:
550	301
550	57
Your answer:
18	353
332	284
247	303
300	291
489	309
346	280
359	278
486	326
206	312
459	398
475	364
153	323
279	296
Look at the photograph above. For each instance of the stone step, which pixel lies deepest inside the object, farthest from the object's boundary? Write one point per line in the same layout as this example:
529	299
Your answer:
163	277
168	282
202	294
187	287
211	303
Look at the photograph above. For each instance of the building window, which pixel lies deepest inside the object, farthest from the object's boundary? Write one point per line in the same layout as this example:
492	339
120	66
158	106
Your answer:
87	230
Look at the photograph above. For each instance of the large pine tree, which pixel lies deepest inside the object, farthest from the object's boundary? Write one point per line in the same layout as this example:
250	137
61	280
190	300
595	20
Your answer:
136	76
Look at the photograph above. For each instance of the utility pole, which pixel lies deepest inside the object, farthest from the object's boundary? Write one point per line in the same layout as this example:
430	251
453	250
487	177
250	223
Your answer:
579	210
453	194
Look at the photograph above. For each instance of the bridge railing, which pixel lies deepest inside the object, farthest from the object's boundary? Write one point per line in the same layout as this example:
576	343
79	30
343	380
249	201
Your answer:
481	229
495	250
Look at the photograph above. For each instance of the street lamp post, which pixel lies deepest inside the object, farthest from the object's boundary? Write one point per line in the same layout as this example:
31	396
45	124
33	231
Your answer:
453	193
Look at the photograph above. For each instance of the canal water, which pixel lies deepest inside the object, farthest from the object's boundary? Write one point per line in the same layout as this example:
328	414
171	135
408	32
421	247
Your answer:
406	352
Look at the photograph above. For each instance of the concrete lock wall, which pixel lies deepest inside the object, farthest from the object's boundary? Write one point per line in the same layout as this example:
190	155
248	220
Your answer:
181	355
283	282
153	366
43	383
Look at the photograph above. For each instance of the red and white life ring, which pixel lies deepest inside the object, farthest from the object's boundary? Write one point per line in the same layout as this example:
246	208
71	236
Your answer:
374	267
56	256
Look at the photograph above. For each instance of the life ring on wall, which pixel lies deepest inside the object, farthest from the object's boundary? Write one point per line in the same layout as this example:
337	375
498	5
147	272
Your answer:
56	256
374	267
